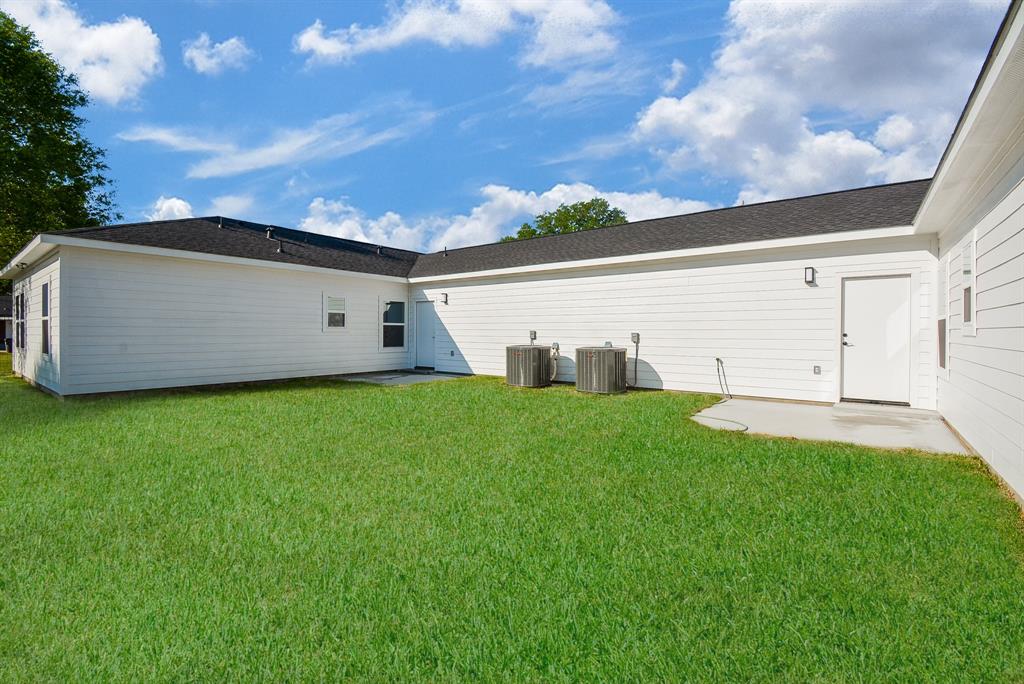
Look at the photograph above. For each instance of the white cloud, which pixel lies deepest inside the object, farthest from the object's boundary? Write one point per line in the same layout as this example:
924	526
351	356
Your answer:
907	67
232	206
206	57
113	60
337	218
502	210
678	71
330	138
166	208
894	132
560	33
174	139
619	78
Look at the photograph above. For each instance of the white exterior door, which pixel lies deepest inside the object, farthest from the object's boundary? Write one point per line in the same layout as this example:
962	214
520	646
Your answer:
876	339
425	320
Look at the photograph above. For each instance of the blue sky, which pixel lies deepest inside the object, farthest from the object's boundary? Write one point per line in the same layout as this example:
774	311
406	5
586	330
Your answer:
425	124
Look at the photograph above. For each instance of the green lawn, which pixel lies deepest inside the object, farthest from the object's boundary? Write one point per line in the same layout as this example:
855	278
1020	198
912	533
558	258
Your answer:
466	530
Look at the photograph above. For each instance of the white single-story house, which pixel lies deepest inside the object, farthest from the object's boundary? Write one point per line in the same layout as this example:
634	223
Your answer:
909	293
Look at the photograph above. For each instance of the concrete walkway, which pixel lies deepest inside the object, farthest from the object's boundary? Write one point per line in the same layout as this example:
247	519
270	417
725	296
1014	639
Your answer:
891	427
397	378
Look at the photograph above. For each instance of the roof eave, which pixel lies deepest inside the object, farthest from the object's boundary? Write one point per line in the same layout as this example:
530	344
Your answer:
781	243
1008	33
50	240
39	247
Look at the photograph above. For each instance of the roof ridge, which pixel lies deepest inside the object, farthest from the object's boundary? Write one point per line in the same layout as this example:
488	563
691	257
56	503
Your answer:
238	222
692	213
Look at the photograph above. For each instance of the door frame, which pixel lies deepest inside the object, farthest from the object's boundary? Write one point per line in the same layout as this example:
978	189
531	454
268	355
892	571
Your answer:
915	329
416	331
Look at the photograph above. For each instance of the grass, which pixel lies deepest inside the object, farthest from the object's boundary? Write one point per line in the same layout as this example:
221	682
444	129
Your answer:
466	530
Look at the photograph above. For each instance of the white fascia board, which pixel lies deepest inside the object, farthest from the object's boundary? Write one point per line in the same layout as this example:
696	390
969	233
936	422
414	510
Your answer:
68	241
972	110
848	236
29	254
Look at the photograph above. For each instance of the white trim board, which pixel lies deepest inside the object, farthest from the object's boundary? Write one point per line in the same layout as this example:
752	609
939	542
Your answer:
847	236
43	243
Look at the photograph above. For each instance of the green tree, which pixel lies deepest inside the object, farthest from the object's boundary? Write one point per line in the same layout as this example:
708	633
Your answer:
571	218
51	177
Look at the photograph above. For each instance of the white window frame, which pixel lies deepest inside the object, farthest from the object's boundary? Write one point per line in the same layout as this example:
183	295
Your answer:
45	312
969	281
943	315
324	310
381	303
20	324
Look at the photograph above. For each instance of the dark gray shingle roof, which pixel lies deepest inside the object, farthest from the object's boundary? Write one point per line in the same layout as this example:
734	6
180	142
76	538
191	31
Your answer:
249	240
875	207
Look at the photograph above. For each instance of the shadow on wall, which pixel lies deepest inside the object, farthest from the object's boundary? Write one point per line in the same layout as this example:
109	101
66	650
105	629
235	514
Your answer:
447	355
642	374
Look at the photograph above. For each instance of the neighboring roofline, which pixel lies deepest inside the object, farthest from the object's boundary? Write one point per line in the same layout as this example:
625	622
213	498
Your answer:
51	240
986	68
688	214
758	245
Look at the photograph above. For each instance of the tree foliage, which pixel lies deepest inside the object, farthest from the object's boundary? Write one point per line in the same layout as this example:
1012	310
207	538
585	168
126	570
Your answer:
51	177
571	218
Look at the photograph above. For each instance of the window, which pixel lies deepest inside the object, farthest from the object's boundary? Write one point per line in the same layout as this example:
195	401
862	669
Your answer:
19	318
44	321
334	313
942	343
393	325
968	285
942	287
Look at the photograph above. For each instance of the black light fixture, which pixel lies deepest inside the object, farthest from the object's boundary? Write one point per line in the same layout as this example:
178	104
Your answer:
444	297
809	274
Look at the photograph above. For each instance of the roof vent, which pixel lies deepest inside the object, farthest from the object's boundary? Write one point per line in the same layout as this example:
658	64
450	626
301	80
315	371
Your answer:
380	250
280	242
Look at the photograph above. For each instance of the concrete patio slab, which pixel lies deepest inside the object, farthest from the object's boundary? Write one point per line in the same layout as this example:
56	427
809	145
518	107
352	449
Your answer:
397	378
890	427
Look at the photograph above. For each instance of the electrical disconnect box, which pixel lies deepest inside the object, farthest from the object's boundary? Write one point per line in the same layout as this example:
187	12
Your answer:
634	338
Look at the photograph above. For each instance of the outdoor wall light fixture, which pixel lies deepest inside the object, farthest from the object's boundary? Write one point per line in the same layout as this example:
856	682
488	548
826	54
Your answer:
809	274
444	297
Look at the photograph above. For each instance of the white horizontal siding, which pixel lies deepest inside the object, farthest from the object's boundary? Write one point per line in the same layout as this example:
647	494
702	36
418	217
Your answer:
983	397
32	364
751	310
141	322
